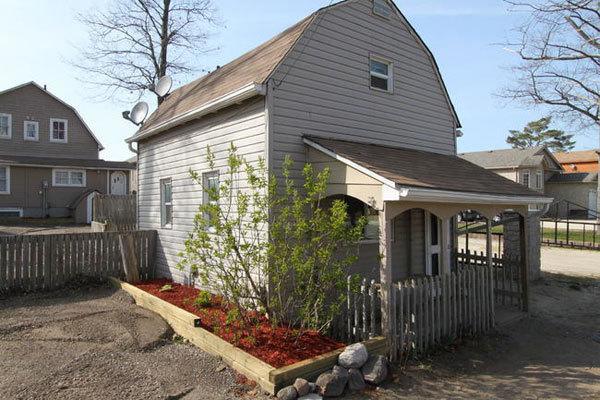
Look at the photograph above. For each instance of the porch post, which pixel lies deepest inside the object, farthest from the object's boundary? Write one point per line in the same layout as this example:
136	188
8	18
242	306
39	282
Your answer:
446	246
524	247
488	241
385	272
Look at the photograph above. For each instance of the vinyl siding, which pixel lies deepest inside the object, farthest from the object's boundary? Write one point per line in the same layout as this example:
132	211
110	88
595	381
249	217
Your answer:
322	87
29	103
173	153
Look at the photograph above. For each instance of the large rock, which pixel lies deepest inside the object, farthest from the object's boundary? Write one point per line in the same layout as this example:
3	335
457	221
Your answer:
356	382
353	356
302	387
287	393
375	370
332	384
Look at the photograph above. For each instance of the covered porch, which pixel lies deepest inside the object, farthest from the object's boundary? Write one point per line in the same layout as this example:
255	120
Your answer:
413	201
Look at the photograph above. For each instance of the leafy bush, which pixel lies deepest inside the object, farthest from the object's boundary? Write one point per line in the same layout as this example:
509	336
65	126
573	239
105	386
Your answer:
204	299
271	246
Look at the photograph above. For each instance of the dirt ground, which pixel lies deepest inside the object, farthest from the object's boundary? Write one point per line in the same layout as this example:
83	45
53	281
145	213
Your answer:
550	355
94	343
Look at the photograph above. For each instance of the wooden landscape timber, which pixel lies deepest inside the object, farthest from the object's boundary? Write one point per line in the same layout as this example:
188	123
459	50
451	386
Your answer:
269	378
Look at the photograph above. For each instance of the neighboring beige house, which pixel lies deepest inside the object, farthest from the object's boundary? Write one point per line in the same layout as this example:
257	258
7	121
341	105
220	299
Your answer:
352	87
49	165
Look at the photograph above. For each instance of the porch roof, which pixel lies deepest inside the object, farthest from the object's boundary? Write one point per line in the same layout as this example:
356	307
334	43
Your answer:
415	170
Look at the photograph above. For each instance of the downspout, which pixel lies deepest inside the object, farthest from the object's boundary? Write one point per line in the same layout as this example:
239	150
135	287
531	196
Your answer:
130	145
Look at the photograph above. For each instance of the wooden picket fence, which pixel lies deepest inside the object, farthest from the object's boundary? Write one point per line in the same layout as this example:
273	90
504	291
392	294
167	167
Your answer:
41	262
508	288
119	212
430	311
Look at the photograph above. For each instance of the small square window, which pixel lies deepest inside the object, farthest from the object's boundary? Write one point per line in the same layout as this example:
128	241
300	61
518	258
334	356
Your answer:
59	130
5	126
380	74
31	130
166	203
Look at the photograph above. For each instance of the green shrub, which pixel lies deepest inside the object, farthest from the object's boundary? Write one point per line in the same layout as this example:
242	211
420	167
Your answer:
204	299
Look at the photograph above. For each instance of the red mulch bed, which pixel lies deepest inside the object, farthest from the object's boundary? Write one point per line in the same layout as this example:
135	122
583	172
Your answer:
277	346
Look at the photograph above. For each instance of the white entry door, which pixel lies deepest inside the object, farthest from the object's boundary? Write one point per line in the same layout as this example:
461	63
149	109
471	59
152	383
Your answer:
433	245
118	183
90	205
593	203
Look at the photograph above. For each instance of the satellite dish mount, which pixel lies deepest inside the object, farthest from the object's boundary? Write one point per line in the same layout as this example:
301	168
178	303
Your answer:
162	87
138	113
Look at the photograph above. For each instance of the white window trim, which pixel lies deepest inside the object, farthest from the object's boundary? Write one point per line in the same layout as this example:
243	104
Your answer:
528	173
380	14
7	191
389	76
69	171
37	131
13	209
539	179
165	225
9	136
66	140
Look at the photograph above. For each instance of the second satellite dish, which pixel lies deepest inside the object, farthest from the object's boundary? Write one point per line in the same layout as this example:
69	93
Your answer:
163	86
139	112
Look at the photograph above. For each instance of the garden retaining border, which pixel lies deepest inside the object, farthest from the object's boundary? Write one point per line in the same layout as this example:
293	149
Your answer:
269	378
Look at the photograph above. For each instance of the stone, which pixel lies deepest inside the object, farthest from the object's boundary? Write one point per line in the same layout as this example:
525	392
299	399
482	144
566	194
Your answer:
313	387
375	370
311	396
353	356
220	368
333	383
302	387
287	393
356	382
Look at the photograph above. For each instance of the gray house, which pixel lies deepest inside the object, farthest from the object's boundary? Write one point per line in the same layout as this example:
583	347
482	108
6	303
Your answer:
49	163
351	87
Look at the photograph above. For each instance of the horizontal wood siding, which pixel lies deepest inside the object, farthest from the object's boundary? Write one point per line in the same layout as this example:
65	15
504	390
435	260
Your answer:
172	154
322	88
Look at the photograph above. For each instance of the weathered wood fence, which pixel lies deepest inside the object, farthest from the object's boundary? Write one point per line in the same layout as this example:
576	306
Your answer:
119	212
430	311
508	288
49	261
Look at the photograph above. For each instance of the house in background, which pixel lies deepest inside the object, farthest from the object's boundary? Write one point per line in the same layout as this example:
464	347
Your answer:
531	167
577	187
49	158
351	87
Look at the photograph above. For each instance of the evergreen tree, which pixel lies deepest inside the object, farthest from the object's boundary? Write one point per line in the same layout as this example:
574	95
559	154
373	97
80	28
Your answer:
536	133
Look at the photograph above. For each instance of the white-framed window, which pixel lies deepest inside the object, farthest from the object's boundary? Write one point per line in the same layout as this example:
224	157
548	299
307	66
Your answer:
539	179
59	130
526	178
5	126
381	74
31	130
68	177
166	203
381	8
4	179
210	186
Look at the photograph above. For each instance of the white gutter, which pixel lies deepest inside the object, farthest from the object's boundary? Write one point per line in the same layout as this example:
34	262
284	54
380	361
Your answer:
226	100
115	168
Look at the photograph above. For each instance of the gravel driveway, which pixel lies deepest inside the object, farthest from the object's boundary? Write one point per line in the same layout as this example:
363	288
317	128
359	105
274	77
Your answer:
94	343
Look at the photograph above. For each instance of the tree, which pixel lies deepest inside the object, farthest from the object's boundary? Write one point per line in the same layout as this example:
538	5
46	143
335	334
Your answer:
270	248
536	133
559	50
134	43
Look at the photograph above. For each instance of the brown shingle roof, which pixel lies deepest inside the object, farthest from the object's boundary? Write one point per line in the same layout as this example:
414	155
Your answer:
64	162
415	168
252	67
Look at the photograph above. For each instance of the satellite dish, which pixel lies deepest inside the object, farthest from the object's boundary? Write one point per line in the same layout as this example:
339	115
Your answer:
163	86
139	113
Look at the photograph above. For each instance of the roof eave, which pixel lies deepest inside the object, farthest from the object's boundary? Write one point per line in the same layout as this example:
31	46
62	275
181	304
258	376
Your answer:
447	196
231	98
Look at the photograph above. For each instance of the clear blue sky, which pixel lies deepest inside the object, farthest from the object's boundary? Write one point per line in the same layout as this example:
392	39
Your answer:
37	36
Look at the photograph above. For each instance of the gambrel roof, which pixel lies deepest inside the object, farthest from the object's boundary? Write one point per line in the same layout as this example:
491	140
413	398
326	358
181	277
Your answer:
45	91
244	77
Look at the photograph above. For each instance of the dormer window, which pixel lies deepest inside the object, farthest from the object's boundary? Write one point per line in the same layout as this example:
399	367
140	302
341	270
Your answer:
59	130
5	126
381	8
381	74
